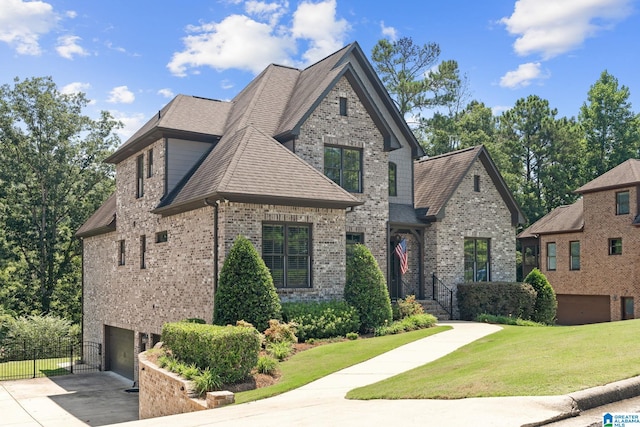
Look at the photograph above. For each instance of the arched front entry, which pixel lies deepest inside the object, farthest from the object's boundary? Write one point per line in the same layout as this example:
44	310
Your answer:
412	281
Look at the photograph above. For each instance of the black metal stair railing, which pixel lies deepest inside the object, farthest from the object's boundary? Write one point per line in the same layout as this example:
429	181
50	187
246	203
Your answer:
443	295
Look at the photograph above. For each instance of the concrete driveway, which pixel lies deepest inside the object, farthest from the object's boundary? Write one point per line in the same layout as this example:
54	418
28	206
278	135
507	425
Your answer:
93	399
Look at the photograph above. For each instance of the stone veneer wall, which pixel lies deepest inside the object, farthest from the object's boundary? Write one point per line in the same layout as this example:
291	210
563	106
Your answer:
164	393
600	273
325	125
328	257
177	282
470	214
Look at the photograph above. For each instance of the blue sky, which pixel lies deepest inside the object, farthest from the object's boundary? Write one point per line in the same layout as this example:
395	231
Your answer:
132	57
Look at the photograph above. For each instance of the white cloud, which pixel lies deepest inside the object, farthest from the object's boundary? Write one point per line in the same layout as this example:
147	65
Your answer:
166	92
75	87
68	46
253	42
71	14
389	32
231	43
499	109
22	23
272	12
131	123
317	22
226	84
551	27
121	95
523	76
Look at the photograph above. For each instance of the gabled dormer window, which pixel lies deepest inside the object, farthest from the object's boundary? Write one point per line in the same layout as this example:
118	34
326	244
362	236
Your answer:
140	176
622	203
344	167
343	106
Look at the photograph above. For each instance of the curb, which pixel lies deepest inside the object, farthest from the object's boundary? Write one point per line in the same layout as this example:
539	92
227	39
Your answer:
609	393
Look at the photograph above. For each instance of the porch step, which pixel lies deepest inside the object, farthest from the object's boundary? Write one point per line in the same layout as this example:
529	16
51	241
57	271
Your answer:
432	307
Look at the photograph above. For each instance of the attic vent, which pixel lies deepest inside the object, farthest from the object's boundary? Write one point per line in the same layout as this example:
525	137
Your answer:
159	115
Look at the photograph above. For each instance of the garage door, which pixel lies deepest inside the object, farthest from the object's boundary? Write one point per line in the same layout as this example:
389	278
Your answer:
119	351
582	309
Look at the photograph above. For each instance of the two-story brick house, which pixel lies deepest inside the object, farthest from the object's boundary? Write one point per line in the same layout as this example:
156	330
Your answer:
301	162
590	250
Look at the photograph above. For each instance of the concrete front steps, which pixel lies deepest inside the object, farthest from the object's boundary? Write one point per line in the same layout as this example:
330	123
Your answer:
432	307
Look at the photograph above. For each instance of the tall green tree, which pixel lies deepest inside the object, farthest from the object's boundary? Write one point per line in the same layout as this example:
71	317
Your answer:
611	128
410	75
542	150
52	178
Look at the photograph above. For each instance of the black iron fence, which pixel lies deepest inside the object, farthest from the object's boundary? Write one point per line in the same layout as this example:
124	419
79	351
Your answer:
443	295
21	360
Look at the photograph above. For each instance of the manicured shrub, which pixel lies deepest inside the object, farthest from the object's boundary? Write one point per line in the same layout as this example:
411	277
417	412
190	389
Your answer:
245	289
409	323
317	320
406	307
497	298
352	336
228	351
366	289
506	320
546	305
280	332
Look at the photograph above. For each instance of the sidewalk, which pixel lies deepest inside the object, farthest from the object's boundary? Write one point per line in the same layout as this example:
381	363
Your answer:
322	402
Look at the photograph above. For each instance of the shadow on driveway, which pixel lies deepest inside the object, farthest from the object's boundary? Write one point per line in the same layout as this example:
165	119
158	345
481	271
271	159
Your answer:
95	398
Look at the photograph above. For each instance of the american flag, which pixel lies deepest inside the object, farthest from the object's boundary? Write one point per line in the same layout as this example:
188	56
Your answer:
401	251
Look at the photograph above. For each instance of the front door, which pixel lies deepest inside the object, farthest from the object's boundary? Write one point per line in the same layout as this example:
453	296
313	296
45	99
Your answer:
627	308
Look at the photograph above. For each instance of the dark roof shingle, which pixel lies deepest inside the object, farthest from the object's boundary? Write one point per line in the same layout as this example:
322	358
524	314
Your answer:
563	219
102	221
625	174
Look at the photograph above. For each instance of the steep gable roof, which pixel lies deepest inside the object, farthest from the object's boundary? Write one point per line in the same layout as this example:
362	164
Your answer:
437	178
625	174
199	118
250	166
102	221
563	219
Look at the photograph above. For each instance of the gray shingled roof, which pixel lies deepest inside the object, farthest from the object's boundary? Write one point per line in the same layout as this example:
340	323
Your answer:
102	221
437	178
250	166
184	113
625	174
274	104
563	219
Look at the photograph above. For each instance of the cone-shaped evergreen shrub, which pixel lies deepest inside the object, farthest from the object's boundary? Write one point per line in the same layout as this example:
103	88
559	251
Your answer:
546	304
366	289
245	289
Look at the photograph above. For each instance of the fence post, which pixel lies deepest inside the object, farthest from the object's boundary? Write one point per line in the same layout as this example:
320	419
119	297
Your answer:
71	357
34	362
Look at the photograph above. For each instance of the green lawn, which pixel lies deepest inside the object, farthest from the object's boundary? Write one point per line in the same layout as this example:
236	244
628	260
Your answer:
323	360
521	361
24	368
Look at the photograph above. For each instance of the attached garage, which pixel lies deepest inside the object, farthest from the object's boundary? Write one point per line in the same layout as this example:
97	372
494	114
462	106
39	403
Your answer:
119	351
583	309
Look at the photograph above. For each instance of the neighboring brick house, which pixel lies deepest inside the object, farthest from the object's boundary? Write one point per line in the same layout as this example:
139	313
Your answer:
590	250
472	218
301	162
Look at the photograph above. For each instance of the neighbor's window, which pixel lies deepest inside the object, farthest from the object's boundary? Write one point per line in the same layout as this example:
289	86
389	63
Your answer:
551	256
143	252
530	255
622	203
286	250
615	246
476	260
344	167
476	183
140	176
574	252
162	236
343	106
150	163
121	252
393	179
